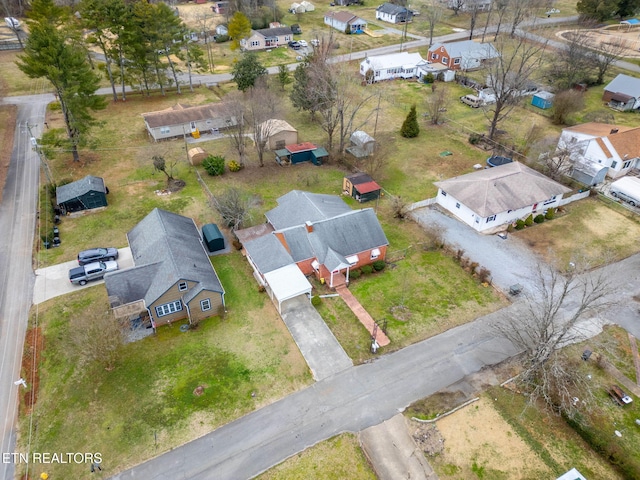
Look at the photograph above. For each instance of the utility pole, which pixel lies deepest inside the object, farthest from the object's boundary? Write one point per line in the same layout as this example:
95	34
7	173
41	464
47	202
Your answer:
41	155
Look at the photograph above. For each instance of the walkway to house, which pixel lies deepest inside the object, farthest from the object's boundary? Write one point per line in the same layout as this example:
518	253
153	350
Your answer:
364	317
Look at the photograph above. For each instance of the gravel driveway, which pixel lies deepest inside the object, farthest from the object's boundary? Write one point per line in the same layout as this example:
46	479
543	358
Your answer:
509	260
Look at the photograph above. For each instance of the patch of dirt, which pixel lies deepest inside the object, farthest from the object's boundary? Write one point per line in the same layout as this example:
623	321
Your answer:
401	313
199	390
33	346
428	438
175	185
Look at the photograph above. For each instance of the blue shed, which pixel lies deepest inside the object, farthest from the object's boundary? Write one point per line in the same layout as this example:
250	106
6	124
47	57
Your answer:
543	100
301	152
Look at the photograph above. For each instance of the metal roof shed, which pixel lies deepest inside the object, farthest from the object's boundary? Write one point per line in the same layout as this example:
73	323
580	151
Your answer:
286	283
213	238
85	194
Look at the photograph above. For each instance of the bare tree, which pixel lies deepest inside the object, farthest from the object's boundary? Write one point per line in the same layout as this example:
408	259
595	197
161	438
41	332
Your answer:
263	106
564	104
375	163
509	75
97	339
551	317
235	108
457	6
433	14
473	10
205	22
501	8
520	10
160	164
606	53
234	206
575	64
558	162
436	103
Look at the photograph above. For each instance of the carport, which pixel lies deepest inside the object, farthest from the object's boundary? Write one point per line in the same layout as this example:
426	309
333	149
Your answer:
286	283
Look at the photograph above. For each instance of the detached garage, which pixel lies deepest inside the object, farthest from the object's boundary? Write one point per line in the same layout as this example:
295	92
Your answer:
85	194
213	238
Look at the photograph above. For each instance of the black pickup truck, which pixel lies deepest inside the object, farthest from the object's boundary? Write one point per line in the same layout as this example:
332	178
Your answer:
92	271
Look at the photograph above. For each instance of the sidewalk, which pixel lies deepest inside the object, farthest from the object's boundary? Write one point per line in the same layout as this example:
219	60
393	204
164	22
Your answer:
364	317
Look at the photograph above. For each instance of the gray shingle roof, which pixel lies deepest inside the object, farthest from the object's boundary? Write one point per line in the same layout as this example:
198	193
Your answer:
624	84
297	207
275	32
181	114
391	9
172	243
297	240
78	188
130	285
498	189
268	253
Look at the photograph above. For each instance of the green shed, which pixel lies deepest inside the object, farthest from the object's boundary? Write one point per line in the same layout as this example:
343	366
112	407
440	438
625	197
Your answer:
213	238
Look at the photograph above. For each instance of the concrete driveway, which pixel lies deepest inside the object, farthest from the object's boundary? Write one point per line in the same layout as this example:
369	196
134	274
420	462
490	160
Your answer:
54	281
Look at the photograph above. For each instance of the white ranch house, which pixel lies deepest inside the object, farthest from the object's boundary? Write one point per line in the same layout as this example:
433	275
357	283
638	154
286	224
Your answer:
489	200
394	65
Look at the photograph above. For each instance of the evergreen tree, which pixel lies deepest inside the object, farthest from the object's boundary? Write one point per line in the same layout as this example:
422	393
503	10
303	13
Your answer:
247	70
410	127
284	77
51	53
239	28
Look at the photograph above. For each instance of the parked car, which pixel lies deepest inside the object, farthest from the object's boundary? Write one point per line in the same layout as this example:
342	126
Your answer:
92	271
303	43
471	100
295	45
295	29
97	254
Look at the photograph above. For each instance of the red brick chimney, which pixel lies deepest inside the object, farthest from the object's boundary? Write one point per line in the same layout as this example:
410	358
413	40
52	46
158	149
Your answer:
309	226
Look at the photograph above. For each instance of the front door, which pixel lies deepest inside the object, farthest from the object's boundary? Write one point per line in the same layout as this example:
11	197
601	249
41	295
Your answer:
193	127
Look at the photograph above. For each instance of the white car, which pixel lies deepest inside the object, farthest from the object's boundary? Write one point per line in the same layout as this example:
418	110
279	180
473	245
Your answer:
303	43
552	11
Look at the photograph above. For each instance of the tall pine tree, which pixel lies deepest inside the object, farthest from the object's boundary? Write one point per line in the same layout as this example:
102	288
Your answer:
51	53
410	127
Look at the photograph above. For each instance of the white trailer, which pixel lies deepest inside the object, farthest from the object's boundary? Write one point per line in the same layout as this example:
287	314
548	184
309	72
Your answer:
627	189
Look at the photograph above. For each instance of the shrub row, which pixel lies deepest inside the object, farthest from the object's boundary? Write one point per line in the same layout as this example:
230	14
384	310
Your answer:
214	165
530	220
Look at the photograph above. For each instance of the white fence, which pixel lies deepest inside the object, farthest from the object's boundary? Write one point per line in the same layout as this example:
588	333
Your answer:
573	198
420	204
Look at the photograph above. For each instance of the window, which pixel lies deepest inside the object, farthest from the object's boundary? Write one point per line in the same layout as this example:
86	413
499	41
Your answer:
491	218
444	194
456	61
375	253
377	73
626	164
168	308
255	43
434	56
457	205
205	305
613	164
165	130
353	260
182	286
445	61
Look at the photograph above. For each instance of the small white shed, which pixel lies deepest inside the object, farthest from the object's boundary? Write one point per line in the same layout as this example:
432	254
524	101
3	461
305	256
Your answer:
308	6
297	8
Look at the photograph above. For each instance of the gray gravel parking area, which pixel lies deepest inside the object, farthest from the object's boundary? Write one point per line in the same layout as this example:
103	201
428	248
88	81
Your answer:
509	260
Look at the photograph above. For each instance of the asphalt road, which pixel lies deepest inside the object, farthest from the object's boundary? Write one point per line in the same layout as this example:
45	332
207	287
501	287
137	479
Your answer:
17	224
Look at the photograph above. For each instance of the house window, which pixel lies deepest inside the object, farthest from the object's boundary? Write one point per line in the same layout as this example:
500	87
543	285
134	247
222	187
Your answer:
255	43
613	164
457	205
456	61
377	73
551	200
434	56
182	286
491	218
626	164
445	61
444	194
375	253
165	130
353	260
205	305
168	308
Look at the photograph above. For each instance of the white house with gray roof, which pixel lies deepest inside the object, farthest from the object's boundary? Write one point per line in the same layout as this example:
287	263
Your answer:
388	12
319	234
172	278
181	120
393	65
488	200
623	93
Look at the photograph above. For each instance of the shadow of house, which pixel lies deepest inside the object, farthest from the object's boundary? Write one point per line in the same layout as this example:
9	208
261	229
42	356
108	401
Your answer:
172	278
84	194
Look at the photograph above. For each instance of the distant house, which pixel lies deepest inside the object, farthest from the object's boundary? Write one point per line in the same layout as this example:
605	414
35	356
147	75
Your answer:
361	187
345	22
623	93
301	152
388	12
267	38
172	277
84	194
318	235
611	146
346	3
181	120
220	7
464	55
469	5
393	65
489	199
279	134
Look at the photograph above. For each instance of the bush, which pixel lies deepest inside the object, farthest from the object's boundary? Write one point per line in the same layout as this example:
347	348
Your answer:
510	228
355	274
234	166
428	78
519	224
222	38
316	301
474	138
539	218
529	221
551	213
214	165
367	269
410	127
379	265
